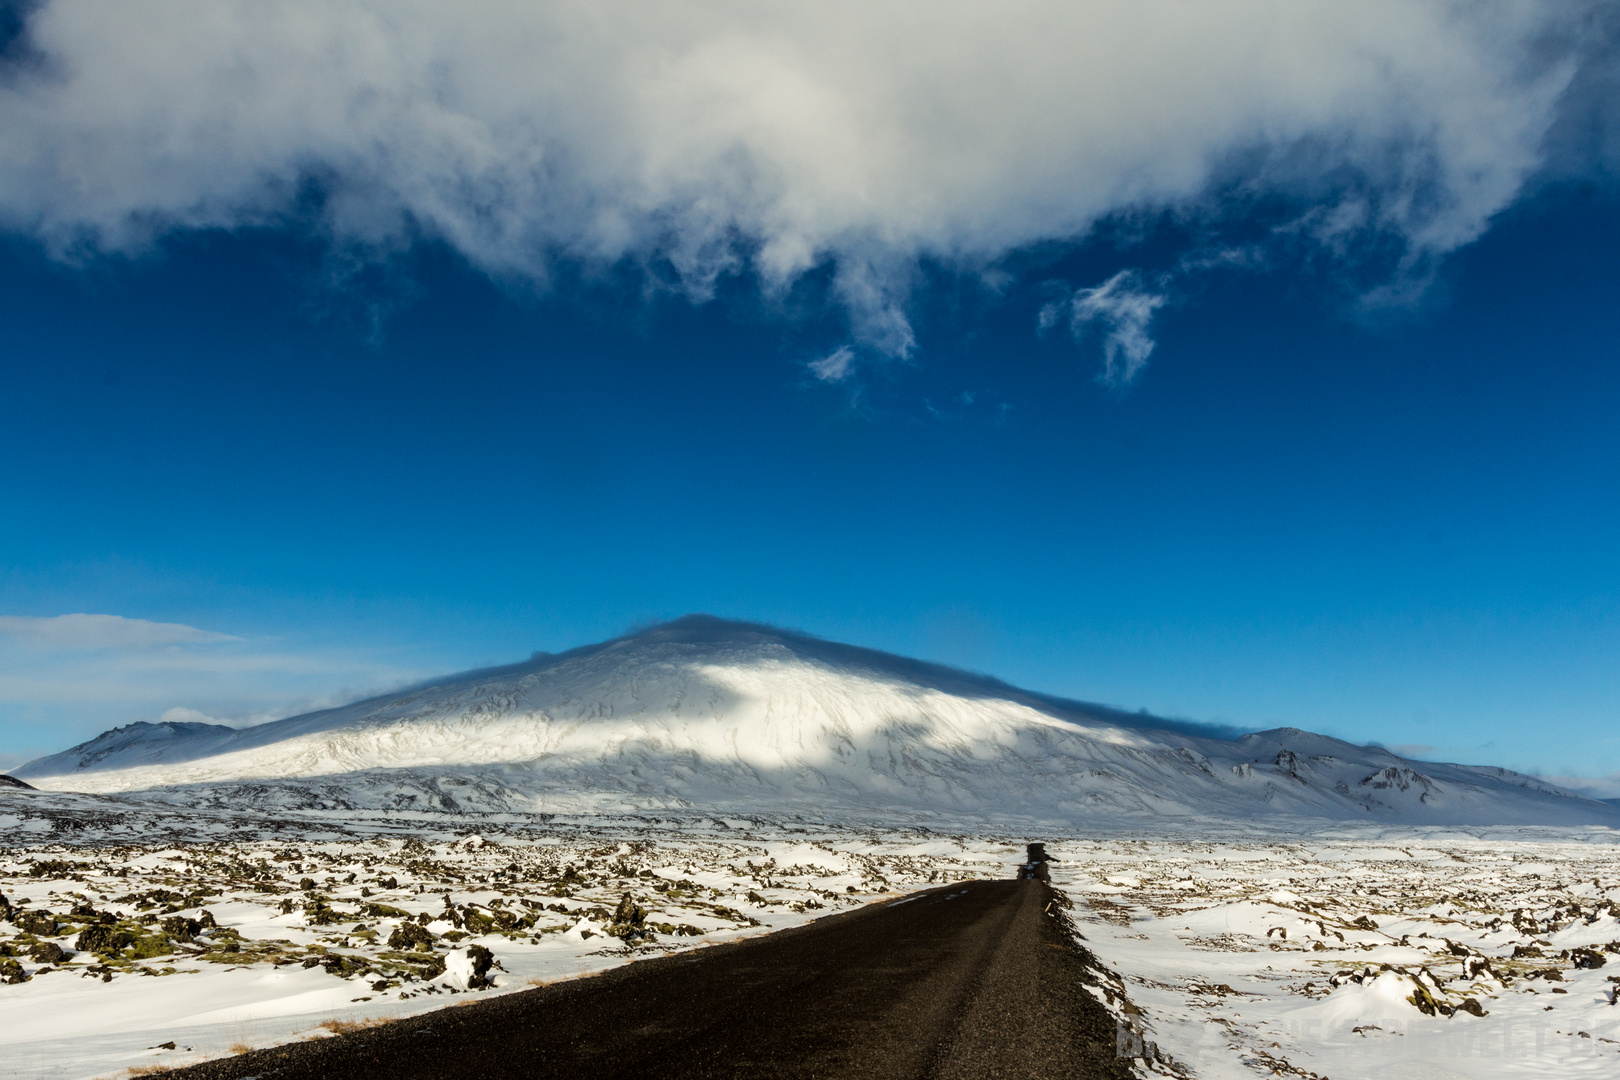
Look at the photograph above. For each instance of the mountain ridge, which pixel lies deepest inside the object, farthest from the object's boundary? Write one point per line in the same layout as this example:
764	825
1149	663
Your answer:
703	712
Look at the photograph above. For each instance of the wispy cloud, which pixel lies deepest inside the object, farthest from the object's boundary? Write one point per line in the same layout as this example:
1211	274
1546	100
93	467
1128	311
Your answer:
709	138
103	632
836	366
1593	787
1116	314
65	678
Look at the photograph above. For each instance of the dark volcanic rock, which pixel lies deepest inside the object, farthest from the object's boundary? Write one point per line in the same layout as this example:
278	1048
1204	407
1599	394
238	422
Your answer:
48	952
41	923
103	939
482	961
54	868
410	935
11	973
1586	958
181	928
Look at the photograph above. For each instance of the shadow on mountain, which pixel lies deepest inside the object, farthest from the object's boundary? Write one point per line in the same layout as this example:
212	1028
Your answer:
710	630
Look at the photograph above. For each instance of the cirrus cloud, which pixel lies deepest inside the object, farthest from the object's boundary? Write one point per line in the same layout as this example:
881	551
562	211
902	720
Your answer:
65	678
715	137
103	632
1118	313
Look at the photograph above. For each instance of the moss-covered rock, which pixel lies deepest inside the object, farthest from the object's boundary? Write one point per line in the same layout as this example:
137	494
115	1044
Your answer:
147	946
409	935
103	939
317	913
12	973
48	952
41	922
344	966
57	868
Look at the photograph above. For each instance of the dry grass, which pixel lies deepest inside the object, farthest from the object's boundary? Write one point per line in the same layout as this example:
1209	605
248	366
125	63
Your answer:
343	1027
241	1048
147	1070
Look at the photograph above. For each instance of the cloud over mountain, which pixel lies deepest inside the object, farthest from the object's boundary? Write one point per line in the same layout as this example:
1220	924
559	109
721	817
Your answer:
709	137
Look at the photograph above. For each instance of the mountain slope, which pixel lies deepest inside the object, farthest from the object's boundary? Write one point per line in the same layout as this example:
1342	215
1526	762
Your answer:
715	715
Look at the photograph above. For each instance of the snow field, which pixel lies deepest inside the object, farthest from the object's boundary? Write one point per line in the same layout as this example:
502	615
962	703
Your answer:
1341	956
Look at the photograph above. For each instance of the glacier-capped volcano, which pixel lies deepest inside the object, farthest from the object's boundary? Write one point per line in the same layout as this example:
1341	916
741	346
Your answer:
737	717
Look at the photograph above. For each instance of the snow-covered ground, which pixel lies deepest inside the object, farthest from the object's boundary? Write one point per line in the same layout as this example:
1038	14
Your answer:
1340	953
250	931
1310	951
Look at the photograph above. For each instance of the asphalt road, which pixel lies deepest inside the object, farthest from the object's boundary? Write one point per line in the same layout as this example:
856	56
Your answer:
974	980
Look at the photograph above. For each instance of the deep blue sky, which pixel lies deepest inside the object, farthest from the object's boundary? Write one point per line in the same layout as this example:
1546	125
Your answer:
1243	362
1400	528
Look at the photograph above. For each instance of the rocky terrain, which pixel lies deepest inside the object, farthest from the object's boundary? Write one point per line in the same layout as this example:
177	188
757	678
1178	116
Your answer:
126	928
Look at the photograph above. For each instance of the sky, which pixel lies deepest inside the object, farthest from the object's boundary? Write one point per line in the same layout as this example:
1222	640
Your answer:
1243	361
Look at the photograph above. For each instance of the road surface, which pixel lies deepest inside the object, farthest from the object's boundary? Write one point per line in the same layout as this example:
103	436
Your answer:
973	980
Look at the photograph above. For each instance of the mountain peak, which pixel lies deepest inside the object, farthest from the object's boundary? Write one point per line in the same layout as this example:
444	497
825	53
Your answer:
703	712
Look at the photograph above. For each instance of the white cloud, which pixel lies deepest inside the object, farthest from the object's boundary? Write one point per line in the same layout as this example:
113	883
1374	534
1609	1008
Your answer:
1413	750
1593	787
183	715
66	678
103	632
180	715
763	135
836	366
1117	314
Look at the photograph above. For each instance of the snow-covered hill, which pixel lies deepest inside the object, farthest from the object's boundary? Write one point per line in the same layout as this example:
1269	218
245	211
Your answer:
734	717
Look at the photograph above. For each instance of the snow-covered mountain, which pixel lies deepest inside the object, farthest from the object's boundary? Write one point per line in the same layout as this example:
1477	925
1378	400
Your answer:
735	717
